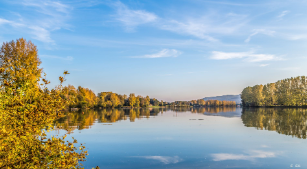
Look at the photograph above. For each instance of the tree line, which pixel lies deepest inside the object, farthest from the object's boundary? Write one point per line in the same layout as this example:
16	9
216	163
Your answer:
85	98
286	92
201	103
81	97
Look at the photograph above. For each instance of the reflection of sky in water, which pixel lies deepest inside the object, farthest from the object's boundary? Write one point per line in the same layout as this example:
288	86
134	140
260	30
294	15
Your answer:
252	155
172	140
162	159
227	113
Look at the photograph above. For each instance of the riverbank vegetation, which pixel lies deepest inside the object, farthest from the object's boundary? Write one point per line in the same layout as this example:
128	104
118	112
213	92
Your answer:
203	103
81	97
286	92
85	98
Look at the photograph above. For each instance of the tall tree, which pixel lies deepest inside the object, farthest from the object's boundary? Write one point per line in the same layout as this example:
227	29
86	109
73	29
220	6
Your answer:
132	99
26	108
19	64
147	101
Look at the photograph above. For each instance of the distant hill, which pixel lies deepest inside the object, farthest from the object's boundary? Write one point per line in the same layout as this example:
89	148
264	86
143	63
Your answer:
236	98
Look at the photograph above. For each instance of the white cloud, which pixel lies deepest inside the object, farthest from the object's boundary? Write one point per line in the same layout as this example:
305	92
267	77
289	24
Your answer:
249	56
163	159
132	18
38	33
196	29
262	31
264	65
162	53
41	34
207	26
47	7
52	14
4	21
12	23
47	16
252	155
202	27
282	14
295	36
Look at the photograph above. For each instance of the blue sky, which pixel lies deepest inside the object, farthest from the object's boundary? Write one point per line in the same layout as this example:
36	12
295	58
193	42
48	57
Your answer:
167	49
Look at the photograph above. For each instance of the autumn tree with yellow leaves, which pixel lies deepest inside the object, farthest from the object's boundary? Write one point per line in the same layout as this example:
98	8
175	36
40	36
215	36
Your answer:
287	92
27	111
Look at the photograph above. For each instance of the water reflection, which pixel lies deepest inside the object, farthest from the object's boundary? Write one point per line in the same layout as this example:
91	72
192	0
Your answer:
169	138
163	159
86	118
288	121
211	110
250	156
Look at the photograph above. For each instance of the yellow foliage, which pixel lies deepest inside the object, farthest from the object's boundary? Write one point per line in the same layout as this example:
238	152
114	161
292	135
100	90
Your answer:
26	109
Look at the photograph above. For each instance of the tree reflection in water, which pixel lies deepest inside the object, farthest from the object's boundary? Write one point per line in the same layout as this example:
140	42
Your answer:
84	119
288	121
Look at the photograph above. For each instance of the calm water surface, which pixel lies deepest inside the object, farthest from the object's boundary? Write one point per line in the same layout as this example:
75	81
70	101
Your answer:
190	137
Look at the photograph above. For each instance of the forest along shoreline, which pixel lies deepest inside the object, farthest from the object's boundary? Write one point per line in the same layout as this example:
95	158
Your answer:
290	92
84	98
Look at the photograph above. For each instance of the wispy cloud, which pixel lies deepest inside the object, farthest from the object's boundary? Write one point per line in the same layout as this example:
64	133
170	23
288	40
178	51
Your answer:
249	56
47	6
260	31
252	155
12	23
163	159
202	27
295	36
264	65
132	18
68	58
37	32
196	29
41	34
54	15
47	16
162	53
282	14
206	26
229	3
